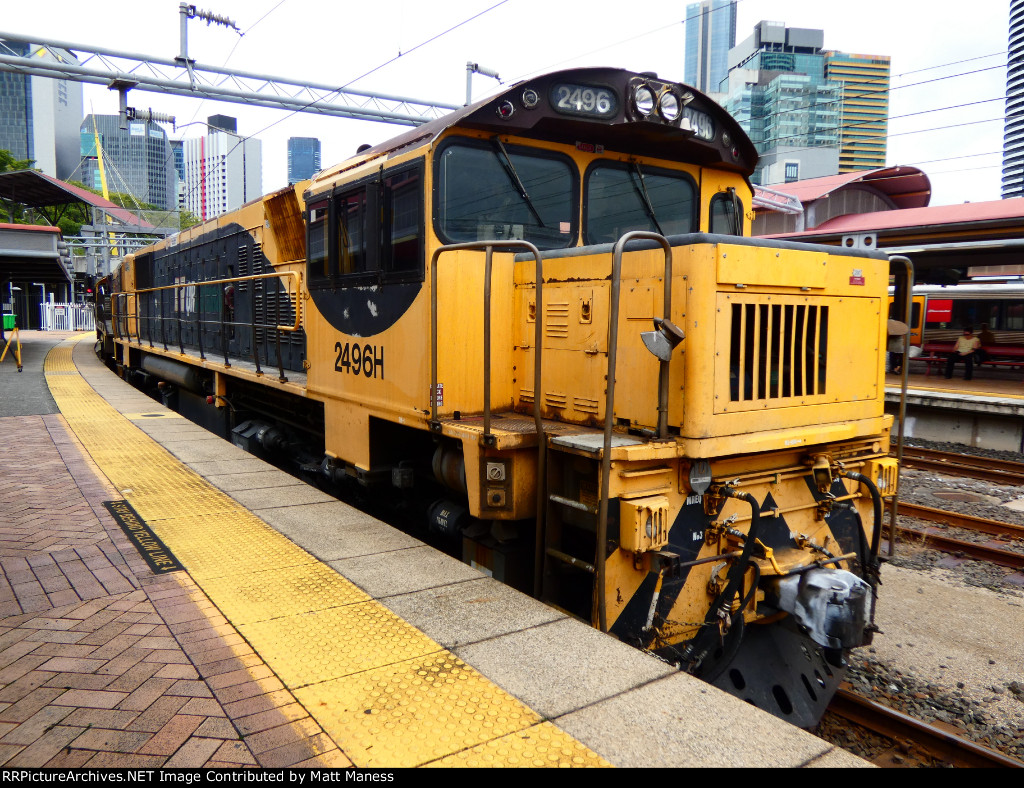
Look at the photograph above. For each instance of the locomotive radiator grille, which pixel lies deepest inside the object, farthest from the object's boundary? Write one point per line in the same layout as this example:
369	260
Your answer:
777	351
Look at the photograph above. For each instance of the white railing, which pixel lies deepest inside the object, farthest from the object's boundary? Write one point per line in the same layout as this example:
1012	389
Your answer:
67	317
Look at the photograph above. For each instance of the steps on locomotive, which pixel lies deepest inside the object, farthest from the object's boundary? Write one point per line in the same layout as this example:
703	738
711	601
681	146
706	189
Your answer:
510	428
568	573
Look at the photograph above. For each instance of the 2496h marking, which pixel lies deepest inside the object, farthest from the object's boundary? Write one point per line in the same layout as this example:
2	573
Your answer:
356	359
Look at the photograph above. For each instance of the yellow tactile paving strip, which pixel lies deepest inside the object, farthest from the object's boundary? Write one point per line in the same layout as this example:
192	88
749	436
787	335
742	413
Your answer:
385	692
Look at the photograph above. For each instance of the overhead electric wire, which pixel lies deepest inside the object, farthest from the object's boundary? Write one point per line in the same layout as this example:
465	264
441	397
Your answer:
351	82
682	21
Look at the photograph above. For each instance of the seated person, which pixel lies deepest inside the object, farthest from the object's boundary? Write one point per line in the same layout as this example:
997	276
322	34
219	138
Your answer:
964	350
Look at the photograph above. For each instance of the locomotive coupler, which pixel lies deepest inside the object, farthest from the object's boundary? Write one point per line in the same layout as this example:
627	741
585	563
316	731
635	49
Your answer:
831	604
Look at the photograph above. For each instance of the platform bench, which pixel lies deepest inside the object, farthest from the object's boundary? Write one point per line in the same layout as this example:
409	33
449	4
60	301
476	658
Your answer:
937	353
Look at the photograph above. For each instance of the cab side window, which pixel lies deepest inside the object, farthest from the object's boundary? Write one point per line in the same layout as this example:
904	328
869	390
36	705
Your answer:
367	233
726	214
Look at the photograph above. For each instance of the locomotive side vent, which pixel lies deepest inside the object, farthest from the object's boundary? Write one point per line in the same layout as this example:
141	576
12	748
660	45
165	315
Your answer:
778	351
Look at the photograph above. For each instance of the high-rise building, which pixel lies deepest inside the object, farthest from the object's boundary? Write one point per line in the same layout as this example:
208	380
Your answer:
1013	130
864	119
223	171
811	113
223	122
710	34
137	160
303	158
39	116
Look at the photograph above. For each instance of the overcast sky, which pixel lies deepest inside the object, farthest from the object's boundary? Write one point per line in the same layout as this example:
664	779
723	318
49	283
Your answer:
944	120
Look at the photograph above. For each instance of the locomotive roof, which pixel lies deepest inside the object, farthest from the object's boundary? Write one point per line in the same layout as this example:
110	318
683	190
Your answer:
703	133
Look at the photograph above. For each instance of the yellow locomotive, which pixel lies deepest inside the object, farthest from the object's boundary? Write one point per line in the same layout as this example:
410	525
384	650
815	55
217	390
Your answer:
537	322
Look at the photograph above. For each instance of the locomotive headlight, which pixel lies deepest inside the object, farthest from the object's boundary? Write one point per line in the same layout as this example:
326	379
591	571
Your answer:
643	100
668	107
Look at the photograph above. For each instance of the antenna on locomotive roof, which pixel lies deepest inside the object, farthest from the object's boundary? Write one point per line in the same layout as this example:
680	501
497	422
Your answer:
476	68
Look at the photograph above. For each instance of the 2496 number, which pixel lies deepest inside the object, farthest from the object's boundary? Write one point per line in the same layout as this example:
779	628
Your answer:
356	359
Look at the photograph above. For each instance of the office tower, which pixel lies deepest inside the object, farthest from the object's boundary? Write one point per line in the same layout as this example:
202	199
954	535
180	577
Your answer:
223	171
864	118
39	116
1013	130
303	158
710	34
223	122
137	160
810	112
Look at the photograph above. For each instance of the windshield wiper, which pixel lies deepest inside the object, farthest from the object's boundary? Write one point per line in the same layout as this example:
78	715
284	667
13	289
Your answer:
510	170
645	197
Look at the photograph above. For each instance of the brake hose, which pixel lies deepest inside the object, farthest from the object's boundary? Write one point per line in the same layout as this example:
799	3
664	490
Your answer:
698	648
871	567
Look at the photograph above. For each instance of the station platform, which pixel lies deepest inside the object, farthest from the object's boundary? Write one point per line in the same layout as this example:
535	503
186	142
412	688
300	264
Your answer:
274	626
985	412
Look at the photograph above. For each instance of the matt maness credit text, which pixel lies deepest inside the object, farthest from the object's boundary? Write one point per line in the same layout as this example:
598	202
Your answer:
207	775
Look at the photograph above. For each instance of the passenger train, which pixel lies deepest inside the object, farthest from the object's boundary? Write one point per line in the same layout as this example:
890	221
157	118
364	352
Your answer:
940	312
540	325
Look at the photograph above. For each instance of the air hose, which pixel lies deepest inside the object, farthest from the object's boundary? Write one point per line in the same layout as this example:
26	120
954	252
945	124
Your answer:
697	649
871	565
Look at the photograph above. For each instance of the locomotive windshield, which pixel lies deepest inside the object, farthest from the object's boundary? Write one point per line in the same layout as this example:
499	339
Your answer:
623	197
490	190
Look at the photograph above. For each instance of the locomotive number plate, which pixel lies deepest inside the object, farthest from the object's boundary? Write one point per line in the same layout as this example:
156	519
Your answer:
584	100
355	359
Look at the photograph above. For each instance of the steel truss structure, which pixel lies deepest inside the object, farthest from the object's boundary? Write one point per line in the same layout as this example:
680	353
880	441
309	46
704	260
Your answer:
182	76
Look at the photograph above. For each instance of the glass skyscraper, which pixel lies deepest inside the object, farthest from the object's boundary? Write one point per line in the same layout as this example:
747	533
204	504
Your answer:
303	158
1013	130
810	112
137	160
39	116
710	34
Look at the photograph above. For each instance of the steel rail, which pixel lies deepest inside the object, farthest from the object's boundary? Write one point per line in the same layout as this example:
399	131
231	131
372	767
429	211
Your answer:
937	742
996	471
980	552
979	524
1012	466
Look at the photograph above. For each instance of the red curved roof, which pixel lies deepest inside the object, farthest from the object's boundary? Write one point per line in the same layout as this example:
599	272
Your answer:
907	187
911	218
38	190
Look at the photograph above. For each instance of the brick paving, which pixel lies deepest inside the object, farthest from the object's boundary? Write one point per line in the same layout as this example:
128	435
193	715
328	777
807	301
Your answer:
104	663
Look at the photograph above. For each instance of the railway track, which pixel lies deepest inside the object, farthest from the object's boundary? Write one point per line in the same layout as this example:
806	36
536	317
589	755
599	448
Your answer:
984	468
982	552
933	740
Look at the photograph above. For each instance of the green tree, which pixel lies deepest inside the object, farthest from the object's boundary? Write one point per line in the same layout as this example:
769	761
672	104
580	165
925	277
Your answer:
12	211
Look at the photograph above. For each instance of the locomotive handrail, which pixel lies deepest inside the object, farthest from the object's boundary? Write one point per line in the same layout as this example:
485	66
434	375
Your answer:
908	267
121	299
609	403
488	247
297	276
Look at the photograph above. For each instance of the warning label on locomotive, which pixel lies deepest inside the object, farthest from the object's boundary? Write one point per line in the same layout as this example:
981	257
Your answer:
155	553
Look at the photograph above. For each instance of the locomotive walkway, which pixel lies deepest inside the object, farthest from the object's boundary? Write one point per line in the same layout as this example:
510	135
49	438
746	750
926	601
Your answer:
300	632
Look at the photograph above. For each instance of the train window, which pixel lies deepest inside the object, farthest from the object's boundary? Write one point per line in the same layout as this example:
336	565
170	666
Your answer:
317	259
403	211
349	216
623	197
726	214
488	190
349	246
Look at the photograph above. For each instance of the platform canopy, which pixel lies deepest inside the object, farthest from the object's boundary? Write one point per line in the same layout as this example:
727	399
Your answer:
31	254
51	198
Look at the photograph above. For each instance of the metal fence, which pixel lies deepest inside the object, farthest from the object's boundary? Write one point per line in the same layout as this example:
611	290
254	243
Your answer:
67	317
